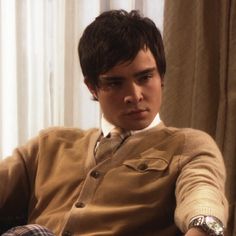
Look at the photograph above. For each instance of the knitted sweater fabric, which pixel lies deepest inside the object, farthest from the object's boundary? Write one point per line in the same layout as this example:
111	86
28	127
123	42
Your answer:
152	185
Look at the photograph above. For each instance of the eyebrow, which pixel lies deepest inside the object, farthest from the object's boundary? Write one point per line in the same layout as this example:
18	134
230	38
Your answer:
144	72
137	74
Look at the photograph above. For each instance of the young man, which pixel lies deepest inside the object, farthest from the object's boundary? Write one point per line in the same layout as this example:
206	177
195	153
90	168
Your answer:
157	180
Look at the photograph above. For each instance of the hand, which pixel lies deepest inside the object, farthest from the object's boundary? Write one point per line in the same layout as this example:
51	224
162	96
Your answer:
195	232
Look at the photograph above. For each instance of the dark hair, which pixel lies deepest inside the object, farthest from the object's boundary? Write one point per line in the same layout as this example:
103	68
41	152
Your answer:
114	37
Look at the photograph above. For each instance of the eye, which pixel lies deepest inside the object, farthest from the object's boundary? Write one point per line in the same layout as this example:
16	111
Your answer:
145	78
115	83
110	84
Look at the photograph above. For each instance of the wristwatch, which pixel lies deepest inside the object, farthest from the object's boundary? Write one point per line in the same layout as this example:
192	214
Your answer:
209	224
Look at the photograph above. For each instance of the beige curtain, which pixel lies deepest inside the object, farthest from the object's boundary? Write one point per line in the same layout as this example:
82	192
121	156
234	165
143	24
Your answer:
200	84
41	83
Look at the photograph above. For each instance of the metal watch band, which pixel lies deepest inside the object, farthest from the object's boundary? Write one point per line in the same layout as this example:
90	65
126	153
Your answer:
209	224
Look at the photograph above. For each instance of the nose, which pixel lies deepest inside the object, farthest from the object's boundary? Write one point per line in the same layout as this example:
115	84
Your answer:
134	94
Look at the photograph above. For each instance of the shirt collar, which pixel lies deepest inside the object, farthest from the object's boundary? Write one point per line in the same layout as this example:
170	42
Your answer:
107	126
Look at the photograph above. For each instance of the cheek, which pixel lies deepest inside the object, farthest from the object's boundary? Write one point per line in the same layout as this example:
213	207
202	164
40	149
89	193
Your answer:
110	103
154	93
112	98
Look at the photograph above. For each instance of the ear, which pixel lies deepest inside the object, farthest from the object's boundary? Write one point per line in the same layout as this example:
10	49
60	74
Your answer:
91	88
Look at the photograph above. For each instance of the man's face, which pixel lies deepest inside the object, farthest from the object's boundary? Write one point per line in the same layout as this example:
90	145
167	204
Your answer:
130	93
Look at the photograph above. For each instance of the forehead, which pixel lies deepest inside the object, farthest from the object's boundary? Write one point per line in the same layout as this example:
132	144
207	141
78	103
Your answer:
143	60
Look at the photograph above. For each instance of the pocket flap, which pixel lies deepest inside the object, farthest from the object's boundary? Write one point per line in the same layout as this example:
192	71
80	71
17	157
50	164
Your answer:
147	164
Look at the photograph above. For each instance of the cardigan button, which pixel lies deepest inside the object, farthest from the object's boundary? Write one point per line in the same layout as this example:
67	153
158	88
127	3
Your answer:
95	174
66	233
143	166
79	204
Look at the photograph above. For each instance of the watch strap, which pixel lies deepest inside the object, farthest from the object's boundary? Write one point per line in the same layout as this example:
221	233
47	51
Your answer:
209	224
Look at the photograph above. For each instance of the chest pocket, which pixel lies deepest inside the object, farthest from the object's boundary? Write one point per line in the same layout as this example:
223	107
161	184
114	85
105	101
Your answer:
147	164
150	160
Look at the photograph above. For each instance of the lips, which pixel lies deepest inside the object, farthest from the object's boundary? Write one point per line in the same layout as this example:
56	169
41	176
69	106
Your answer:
137	113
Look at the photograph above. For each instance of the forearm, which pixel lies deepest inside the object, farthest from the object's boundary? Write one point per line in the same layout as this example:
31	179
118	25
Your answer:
200	185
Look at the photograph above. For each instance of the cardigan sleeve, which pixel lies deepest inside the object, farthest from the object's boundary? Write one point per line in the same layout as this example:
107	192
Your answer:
16	178
200	188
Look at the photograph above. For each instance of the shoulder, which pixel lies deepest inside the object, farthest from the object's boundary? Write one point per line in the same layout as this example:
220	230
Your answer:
198	140
55	136
192	141
65	132
191	136
187	132
183	132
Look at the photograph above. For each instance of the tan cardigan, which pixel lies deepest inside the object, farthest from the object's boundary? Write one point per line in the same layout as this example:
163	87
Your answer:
157	180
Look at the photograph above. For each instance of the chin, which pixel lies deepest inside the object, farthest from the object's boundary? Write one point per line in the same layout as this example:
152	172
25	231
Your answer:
137	126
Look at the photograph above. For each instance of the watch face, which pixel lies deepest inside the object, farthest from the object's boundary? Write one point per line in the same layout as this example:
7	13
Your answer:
214	225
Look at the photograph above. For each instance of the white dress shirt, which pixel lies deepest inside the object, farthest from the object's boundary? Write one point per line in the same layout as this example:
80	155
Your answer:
106	126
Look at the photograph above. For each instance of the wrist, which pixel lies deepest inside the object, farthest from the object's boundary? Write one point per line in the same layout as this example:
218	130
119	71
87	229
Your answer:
196	232
210	225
